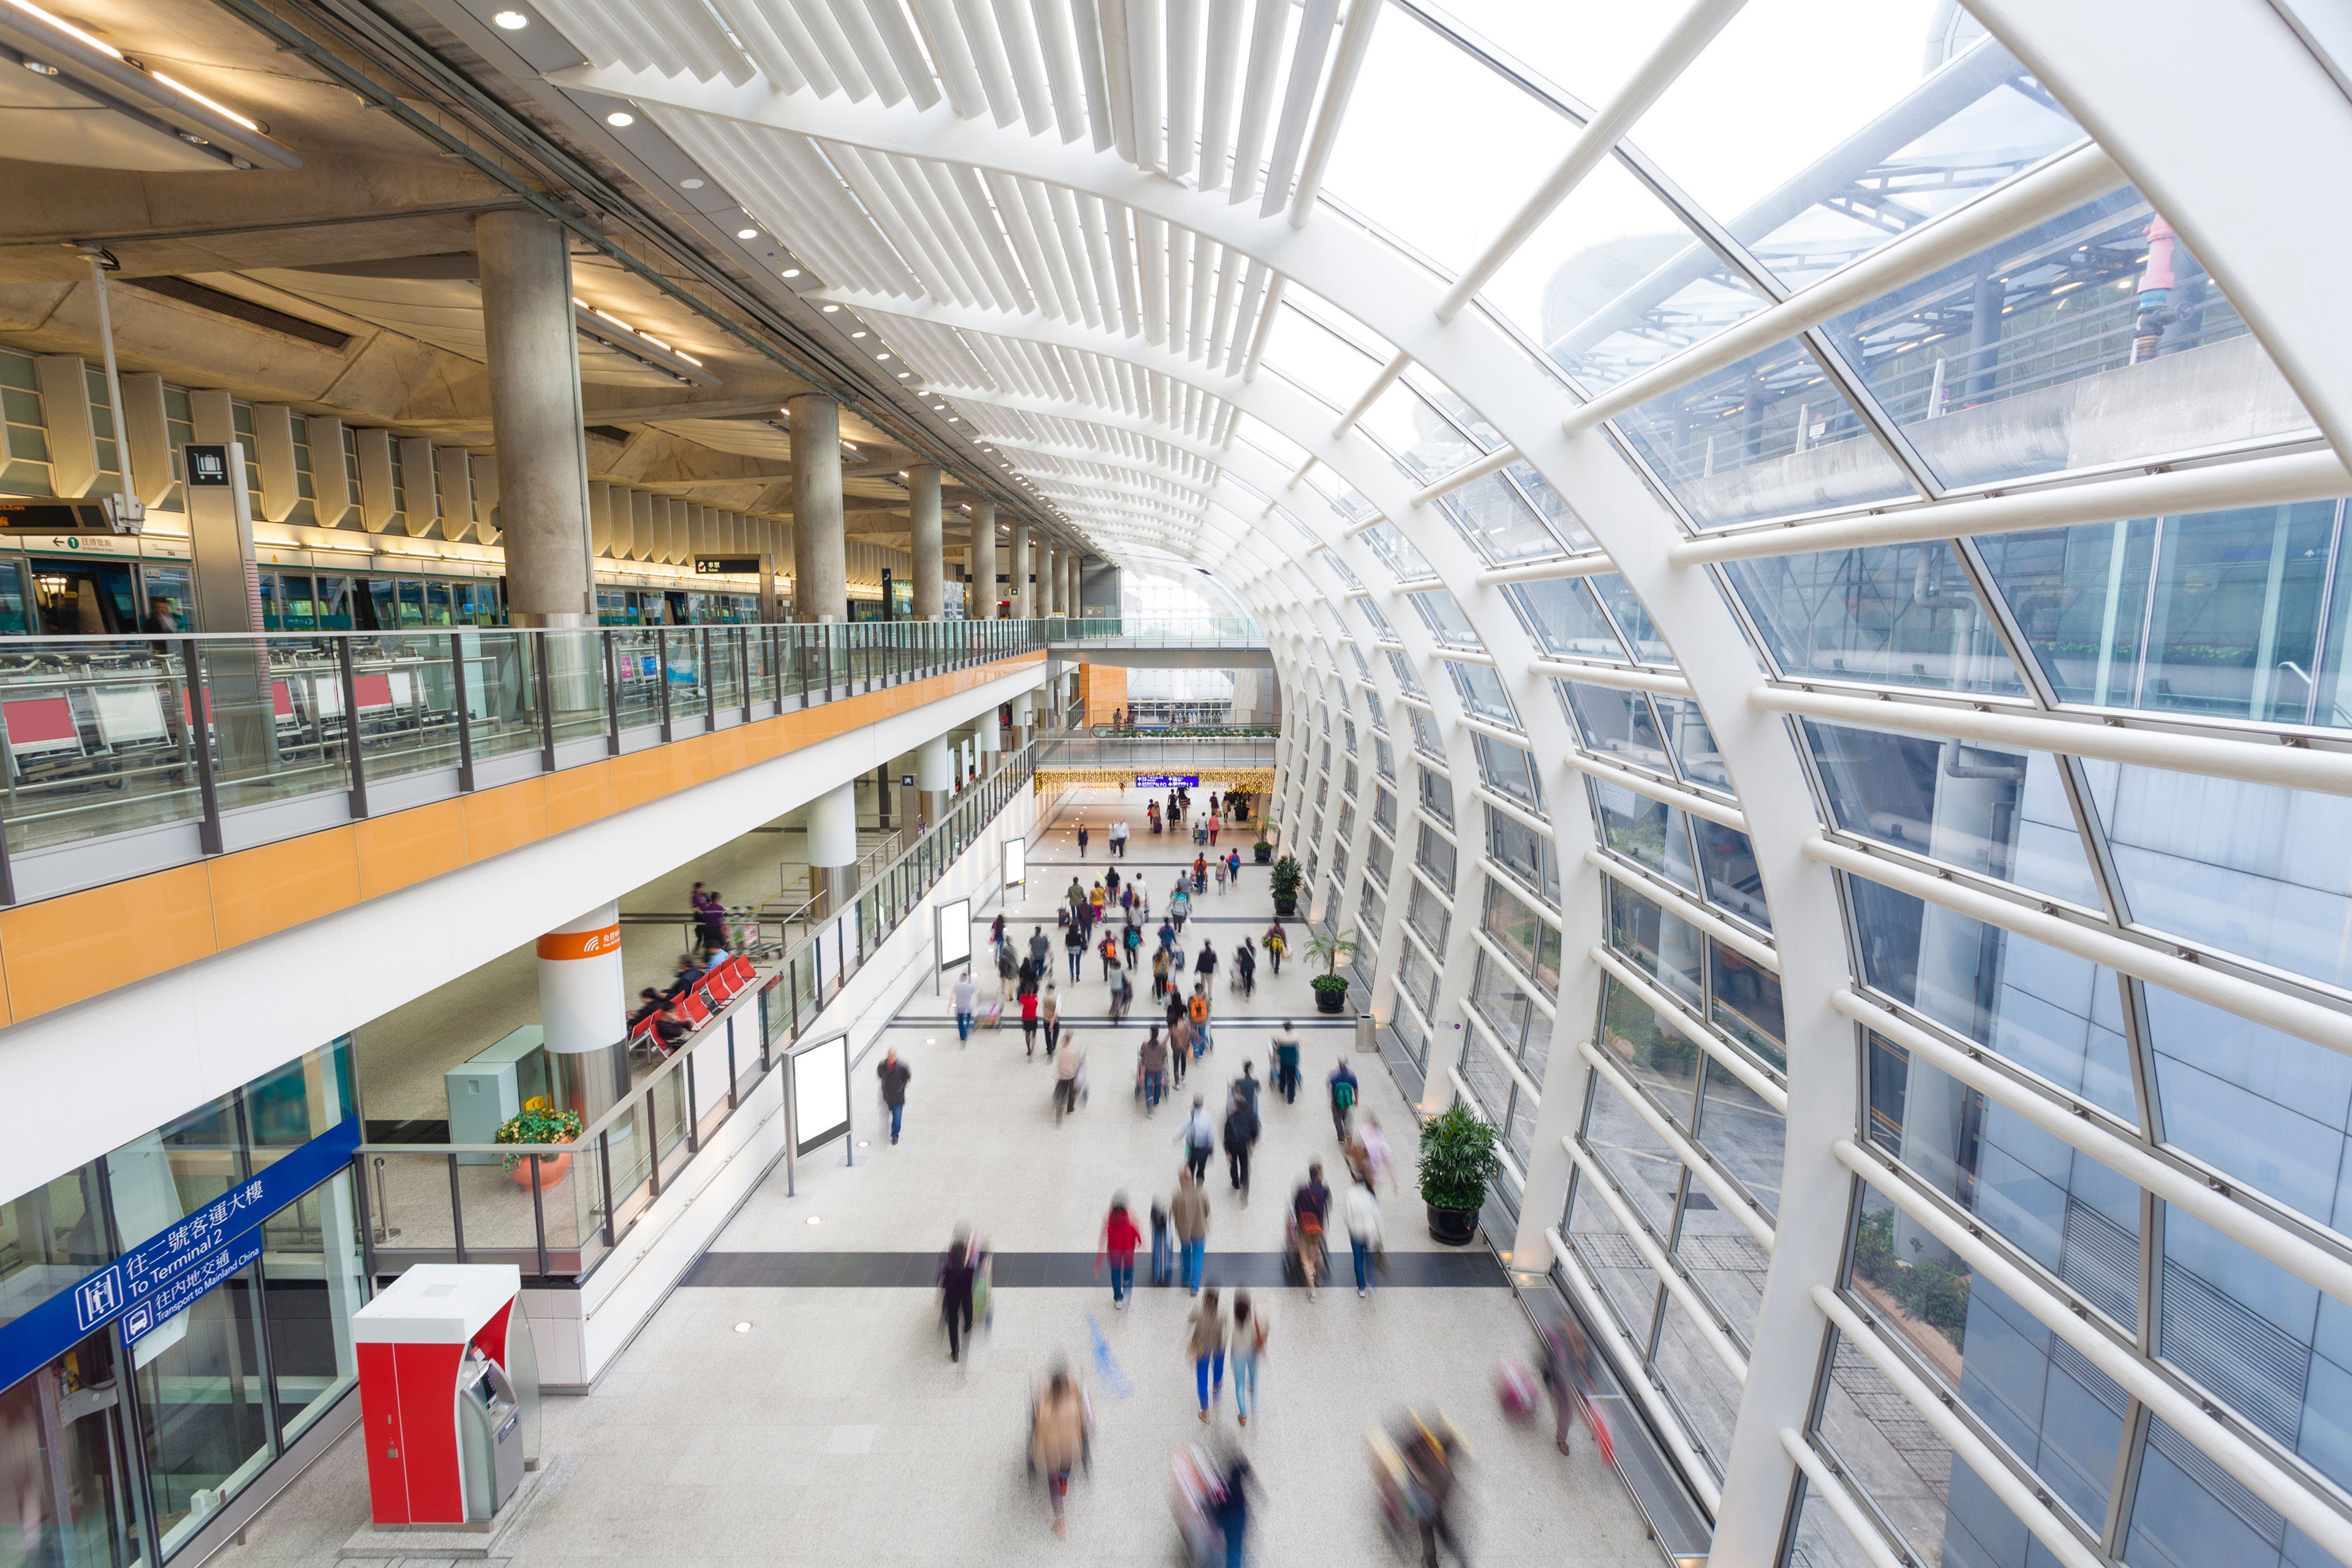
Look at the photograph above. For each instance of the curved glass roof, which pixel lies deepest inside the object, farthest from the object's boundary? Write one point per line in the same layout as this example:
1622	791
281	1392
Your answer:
1849	616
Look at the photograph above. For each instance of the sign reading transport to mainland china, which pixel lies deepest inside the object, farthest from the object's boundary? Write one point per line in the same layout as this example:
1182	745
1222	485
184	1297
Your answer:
725	565
1167	781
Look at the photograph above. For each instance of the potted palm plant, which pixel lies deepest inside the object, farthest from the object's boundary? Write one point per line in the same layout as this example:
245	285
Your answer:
1331	986
1458	1162
539	1123
1283	881
1263	851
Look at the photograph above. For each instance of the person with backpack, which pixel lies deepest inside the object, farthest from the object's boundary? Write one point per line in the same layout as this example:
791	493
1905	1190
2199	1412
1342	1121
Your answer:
1007	968
1122	994
1310	1207
1151	1064
1196	1013
1180	904
1276	945
1245	968
1199	1137
1241	1135
1131	942
1108	949
1160	975
1343	1098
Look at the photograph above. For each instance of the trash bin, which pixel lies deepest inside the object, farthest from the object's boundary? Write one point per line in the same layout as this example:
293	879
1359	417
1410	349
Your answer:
1366	1039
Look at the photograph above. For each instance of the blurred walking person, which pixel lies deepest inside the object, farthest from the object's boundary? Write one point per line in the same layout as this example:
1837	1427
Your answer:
1363	1215
1241	1135
1188	1215
1310	1207
1249	1344
893	1075
1049	1012
1199	1139
960	996
957	1276
1058	1427
1208	1349
1120	1241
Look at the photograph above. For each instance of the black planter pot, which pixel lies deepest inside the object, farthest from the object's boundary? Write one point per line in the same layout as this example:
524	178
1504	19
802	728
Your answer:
1285	906
1331	1001
1263	853
1454	1227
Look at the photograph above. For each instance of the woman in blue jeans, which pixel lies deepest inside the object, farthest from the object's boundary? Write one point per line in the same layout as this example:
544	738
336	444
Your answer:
1208	1349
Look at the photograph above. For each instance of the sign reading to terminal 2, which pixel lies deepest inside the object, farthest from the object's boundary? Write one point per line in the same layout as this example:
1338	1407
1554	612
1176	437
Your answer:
1167	781
725	565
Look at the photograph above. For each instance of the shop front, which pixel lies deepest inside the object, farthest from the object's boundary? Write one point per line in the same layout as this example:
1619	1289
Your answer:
176	1321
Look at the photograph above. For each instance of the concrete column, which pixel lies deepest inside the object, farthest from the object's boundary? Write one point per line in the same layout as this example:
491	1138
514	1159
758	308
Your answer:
923	542
820	548
763	543
982	601
1025	592
935	778
832	848
583	1011
535	414
990	736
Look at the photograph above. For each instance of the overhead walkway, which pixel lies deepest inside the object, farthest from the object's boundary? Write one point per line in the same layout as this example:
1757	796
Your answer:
334	767
1186	643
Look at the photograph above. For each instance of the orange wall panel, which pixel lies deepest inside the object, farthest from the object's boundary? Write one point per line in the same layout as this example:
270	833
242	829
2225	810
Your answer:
407	847
578	795
509	817
64	949
259	891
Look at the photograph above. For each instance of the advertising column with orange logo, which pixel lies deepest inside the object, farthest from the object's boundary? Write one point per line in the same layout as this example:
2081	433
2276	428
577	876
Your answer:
583	1011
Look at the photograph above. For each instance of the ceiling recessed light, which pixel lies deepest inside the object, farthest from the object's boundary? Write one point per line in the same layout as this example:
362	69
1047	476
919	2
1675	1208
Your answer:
814	1220
689	184
789	272
881	356
621	117
857	334
512	21
904	375
829	310
743	1328
746	234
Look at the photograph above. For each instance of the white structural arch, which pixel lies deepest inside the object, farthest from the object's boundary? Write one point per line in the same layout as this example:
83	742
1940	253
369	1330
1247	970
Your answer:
1098	232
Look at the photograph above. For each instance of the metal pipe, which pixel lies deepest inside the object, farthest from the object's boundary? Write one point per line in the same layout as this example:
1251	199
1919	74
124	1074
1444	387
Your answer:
2169	492
1695	1308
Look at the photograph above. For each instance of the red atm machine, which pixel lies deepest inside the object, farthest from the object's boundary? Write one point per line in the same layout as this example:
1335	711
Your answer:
445	1368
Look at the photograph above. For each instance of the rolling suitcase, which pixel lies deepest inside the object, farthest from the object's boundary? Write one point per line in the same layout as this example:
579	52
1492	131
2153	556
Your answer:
991	1014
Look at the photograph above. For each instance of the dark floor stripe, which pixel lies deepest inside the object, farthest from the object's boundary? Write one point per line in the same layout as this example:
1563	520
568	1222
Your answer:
1475	1267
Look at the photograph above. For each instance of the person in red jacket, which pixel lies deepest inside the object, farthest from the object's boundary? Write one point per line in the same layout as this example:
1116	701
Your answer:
1119	1239
1029	1022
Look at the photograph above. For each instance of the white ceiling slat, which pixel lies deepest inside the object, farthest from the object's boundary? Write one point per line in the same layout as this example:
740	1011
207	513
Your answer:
988	58
1245	320
856	24
1098	241
1355	42
1230	271
825	196
891	215
890	211
1087	36
1005	190
936	227
1179	283
1018	29
1299	101
1258	89
751	29
1146	45
1151	255
992	235
825	30
1204	267
1041	218
952	56
1219	76
899	35
1183	85
1122	259
983	249
1119	75
792	37
1063	78
1074	251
